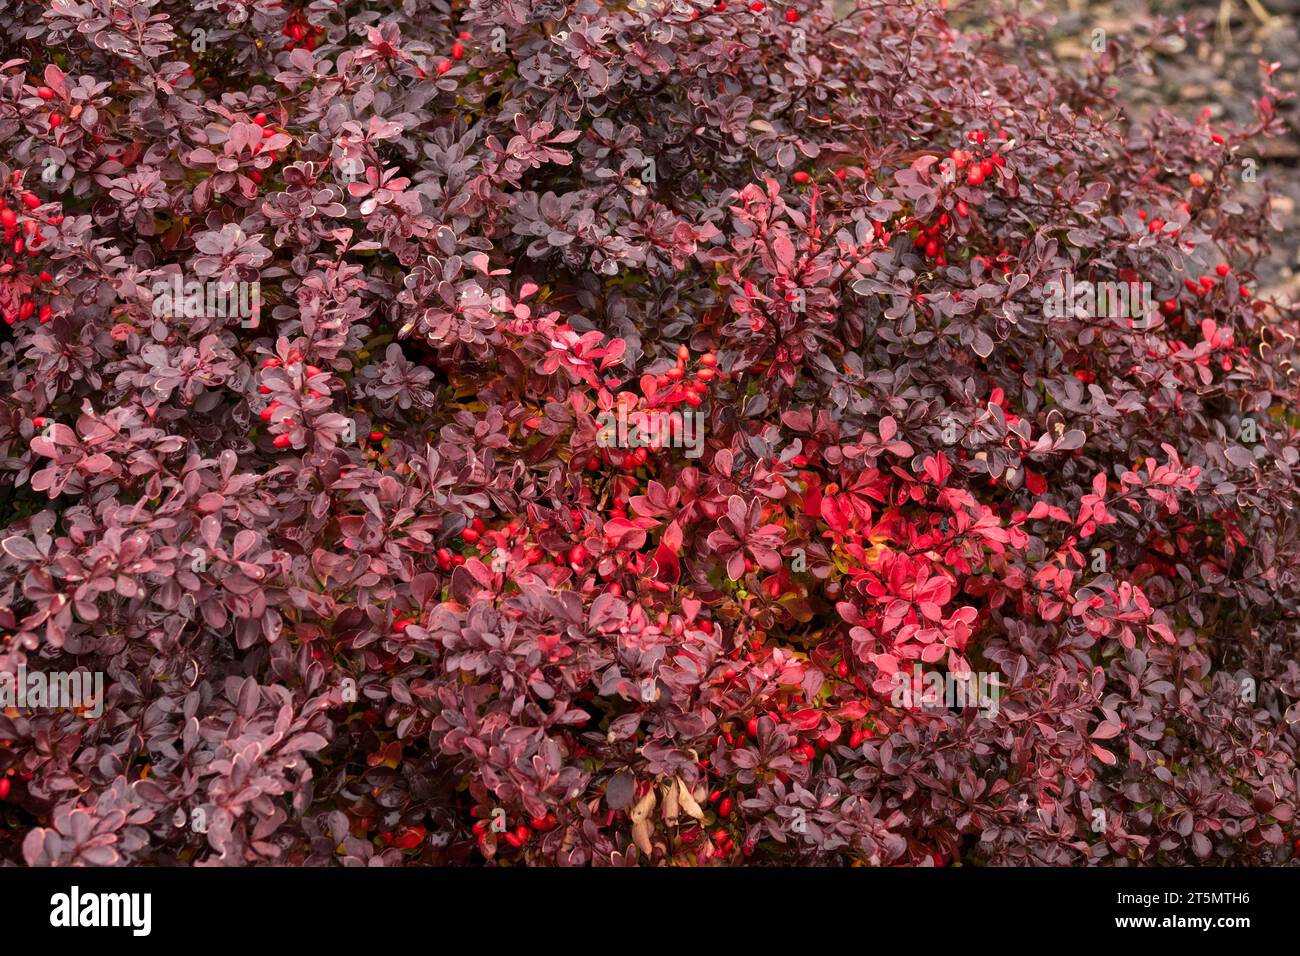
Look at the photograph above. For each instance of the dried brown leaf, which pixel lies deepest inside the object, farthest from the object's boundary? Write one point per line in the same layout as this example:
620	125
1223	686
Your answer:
688	802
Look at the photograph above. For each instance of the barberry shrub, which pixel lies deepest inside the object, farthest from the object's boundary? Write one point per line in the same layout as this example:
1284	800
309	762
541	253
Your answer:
372	580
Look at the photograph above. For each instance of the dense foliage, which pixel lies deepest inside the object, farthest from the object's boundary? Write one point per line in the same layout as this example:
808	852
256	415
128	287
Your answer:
368	587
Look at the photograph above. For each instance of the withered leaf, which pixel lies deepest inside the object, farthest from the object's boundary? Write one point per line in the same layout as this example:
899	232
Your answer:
688	802
641	831
645	806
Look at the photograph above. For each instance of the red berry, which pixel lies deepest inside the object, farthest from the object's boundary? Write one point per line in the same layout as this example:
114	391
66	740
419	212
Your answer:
791	16
975	176
5	786
56	120
409	838
801	177
281	441
457	50
1222	269
30	200
45	93
260	119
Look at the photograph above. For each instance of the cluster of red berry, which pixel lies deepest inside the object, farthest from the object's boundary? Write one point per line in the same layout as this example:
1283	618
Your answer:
978	167
301	33
22	244
974	167
267	414
488	541
267	132
457	53
1200	287
518	836
675	387
681	387
47	94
